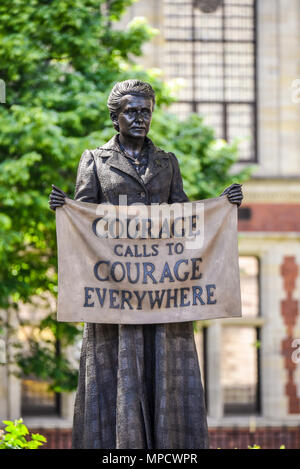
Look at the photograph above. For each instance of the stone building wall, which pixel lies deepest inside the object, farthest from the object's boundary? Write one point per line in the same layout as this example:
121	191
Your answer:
271	231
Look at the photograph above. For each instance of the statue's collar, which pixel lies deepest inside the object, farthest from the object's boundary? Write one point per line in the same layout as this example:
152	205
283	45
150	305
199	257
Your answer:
113	145
157	159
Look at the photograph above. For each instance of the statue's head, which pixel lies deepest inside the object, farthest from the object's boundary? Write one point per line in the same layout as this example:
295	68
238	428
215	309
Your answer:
130	105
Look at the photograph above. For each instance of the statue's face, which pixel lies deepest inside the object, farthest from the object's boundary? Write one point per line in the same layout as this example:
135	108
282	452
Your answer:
135	115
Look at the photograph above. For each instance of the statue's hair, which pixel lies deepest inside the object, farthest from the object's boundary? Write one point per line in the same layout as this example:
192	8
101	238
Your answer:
122	88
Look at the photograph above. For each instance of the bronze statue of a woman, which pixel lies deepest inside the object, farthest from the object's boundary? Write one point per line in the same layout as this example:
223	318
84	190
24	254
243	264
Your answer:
139	385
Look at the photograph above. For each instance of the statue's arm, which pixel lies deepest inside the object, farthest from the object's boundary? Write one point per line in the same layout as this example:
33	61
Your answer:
177	193
87	184
87	187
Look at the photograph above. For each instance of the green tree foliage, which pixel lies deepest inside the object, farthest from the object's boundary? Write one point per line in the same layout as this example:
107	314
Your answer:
16	436
59	60
205	162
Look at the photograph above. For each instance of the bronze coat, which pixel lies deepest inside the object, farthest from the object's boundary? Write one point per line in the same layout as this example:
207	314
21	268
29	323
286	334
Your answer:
139	385
106	173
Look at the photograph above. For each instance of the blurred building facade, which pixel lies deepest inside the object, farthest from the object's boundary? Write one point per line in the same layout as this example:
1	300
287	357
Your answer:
238	61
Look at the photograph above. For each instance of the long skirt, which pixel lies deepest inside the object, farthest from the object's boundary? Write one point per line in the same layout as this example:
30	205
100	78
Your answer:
139	388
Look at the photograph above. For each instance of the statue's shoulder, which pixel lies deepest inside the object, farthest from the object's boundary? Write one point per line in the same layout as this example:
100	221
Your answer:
159	151
112	145
106	149
166	155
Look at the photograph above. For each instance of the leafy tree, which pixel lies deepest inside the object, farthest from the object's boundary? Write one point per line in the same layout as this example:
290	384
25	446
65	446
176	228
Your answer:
59	60
205	162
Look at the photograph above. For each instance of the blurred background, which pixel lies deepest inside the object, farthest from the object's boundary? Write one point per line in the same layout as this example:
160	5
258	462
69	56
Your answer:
226	74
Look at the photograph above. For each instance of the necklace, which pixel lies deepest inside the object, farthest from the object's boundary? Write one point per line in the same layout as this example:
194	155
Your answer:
136	161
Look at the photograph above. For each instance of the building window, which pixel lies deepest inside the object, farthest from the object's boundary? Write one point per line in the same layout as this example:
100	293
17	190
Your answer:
240	348
37	400
239	371
229	351
215	53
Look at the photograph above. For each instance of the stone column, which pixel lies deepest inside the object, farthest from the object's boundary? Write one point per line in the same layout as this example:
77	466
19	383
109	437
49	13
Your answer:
273	400
278	66
214	389
153	12
10	389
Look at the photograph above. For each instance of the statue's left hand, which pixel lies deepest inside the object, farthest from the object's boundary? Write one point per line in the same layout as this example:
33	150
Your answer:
56	198
234	194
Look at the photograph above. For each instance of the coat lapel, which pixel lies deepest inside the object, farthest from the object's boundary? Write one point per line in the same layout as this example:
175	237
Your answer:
119	161
116	159
156	162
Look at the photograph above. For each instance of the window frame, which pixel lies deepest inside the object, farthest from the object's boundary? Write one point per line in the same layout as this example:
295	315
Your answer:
211	333
224	103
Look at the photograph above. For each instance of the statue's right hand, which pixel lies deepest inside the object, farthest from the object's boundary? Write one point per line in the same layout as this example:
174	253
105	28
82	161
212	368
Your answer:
57	198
